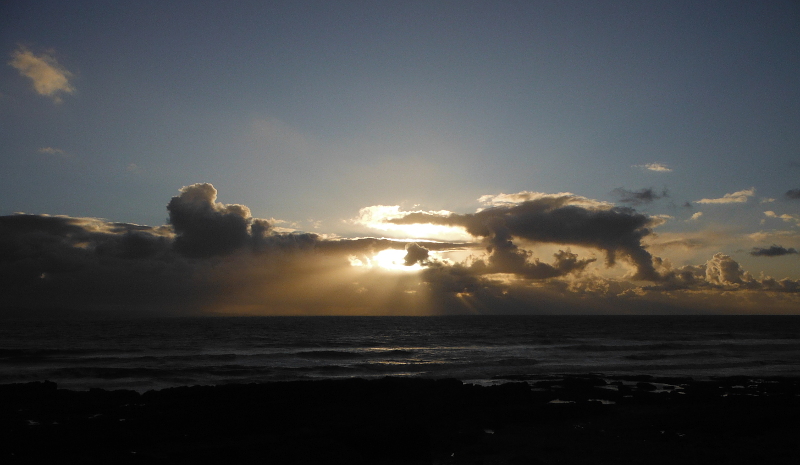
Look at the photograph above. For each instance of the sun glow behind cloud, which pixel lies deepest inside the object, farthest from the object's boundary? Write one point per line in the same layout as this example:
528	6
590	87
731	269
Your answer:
389	259
377	216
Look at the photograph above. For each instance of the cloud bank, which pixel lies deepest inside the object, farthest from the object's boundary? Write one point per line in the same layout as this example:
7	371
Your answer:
215	258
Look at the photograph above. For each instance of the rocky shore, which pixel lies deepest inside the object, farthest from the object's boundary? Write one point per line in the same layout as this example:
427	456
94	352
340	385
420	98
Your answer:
569	419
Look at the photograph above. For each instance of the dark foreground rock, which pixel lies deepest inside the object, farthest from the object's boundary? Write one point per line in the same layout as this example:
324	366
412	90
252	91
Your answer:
575	419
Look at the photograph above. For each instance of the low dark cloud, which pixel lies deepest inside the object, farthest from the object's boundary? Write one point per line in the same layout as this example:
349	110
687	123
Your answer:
415	253
559	219
217	258
772	251
204	227
639	197
793	194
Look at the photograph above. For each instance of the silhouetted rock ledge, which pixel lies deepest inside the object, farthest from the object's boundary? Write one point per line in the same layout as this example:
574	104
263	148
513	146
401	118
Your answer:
571	419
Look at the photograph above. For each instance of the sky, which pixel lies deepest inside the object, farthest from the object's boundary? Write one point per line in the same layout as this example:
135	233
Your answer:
431	157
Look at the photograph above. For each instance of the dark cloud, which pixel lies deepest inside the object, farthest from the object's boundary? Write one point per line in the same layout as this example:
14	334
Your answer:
793	194
772	251
686	243
556	219
206	228
639	197
415	253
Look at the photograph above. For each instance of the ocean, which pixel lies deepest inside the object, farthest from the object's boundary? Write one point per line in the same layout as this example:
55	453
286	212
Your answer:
144	354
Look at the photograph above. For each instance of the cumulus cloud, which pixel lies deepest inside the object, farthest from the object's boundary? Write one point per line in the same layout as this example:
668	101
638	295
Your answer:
559	219
205	227
49	78
772	251
415	253
658	167
723	273
736	197
639	197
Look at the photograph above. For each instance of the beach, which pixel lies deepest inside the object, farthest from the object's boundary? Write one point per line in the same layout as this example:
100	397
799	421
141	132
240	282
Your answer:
562	419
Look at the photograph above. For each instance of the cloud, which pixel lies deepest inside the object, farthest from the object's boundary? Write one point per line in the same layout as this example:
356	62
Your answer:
378	217
793	194
204	227
774	235
526	196
639	197
772	251
659	167
49	78
51	151
415	253
216	258
736	197
789	218
722	273
696	216
723	270
559	219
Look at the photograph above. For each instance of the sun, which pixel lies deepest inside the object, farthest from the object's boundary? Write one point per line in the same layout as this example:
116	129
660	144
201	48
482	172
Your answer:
393	259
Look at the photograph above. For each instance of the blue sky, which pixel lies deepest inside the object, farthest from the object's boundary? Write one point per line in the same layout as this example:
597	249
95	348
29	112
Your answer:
309	112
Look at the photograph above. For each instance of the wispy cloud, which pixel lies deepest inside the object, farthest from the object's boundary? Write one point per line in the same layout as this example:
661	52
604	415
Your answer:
696	216
660	167
736	197
49	78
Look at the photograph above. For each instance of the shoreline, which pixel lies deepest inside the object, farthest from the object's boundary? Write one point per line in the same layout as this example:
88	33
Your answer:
570	419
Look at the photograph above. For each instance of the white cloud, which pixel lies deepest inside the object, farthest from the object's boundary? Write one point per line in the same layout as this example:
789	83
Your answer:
378	217
789	218
696	216
736	197
661	167
49	78
524	196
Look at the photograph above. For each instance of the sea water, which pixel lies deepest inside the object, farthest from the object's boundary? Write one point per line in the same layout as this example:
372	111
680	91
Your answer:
144	354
